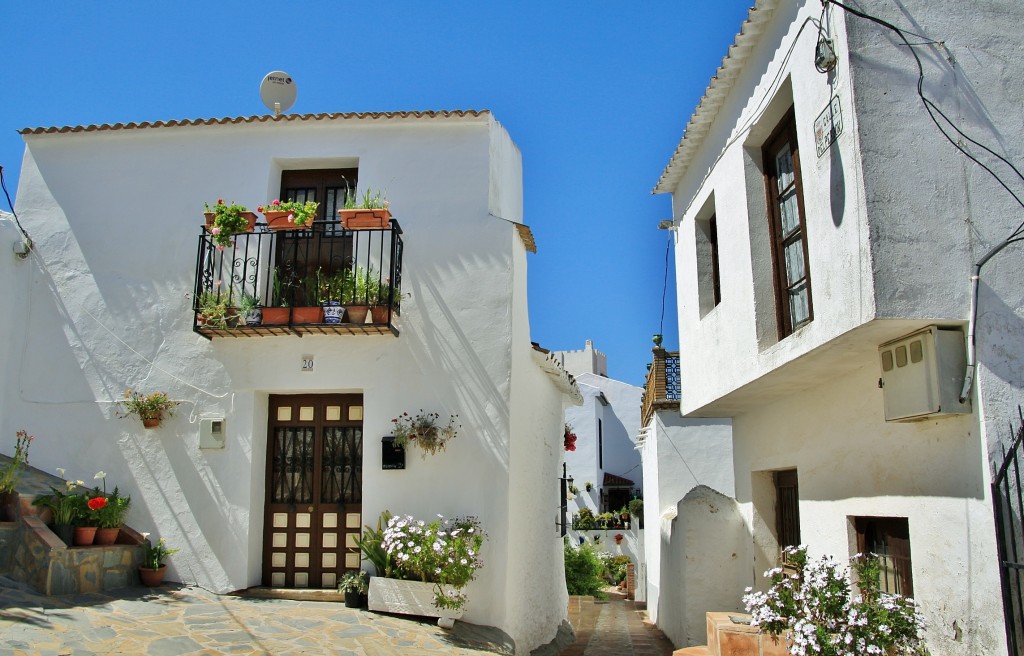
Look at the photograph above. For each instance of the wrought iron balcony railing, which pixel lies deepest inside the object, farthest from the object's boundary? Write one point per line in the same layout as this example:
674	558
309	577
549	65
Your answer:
663	389
321	280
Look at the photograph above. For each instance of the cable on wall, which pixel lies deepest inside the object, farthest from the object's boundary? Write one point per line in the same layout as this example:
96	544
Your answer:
933	110
3	185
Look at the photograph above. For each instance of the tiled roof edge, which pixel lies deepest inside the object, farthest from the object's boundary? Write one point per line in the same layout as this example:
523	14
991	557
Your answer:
552	367
260	118
718	88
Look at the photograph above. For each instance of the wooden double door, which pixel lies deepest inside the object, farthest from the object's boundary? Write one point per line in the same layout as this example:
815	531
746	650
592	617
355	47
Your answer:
314	489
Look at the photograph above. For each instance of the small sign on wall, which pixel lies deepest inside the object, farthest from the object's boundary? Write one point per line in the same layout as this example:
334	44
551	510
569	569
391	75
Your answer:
392	456
307	363
828	126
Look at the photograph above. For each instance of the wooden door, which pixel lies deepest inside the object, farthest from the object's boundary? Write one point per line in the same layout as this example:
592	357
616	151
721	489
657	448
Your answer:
313	509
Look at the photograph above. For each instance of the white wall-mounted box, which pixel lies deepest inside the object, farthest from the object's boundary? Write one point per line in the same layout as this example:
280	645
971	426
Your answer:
923	374
211	433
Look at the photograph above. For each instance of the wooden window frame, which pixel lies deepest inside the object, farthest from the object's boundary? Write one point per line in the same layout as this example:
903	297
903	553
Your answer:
783	134
716	284
894	534
787	508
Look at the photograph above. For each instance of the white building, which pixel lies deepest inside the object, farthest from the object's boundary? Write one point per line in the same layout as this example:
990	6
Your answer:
606	428
826	236
106	303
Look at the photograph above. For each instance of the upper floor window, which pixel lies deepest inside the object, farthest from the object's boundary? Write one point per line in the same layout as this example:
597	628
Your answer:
788	228
709	287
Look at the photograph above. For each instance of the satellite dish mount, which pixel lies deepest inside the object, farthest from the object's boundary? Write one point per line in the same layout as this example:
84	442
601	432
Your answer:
278	91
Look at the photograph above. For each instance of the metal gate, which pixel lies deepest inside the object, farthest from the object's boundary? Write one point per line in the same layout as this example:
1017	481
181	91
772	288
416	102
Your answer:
1008	506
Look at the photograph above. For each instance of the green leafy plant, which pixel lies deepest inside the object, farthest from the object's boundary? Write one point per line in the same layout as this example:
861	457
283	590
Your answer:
280	288
11	473
356	582
614	567
370	200
636	507
62	501
213	309
227	222
583	571
147	406
248	302
589	486
371	544
336	287
583	520
112	515
425	431
573	490
605	520
301	214
153	556
825	617
445	552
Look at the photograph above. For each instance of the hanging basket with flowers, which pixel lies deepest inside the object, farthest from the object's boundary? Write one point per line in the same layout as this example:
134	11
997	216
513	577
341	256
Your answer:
151	408
569	439
424	431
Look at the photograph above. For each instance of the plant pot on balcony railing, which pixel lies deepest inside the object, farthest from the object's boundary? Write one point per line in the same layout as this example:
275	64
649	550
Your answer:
365	219
289	215
224	221
357	313
304	314
275	316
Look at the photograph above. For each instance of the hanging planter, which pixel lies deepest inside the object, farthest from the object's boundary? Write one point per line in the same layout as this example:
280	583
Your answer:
224	221
289	215
423	431
149	408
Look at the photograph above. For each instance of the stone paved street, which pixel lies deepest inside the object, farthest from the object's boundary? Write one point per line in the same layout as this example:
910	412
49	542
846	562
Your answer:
176	621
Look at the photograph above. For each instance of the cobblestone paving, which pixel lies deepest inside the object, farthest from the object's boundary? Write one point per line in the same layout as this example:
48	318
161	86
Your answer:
177	621
613	628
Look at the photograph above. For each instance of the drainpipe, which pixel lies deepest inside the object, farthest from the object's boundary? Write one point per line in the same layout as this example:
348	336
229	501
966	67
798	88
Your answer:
973	320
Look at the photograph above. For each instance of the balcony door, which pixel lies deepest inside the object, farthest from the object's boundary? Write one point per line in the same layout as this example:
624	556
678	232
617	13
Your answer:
313	509
300	253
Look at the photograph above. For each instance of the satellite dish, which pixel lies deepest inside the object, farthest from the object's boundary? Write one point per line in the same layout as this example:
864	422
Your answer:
278	91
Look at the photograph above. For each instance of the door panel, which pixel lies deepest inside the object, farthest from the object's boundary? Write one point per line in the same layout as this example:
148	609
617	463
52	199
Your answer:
314	489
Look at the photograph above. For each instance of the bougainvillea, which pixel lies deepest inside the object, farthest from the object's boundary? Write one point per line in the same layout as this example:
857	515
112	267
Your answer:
569	441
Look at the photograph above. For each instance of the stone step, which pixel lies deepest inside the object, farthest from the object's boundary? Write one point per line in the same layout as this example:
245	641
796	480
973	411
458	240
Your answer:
701	650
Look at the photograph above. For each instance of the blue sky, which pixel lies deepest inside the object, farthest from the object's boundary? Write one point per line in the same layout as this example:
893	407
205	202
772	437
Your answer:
596	96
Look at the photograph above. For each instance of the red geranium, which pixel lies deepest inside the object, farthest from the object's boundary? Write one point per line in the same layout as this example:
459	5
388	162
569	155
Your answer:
97	502
569	440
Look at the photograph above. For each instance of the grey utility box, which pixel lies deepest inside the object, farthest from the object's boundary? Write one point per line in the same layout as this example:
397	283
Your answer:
923	374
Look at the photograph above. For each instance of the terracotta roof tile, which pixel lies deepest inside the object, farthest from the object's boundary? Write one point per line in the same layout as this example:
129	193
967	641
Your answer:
260	118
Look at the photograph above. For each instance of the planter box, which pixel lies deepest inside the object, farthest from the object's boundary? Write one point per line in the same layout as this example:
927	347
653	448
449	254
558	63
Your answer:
409	598
364	219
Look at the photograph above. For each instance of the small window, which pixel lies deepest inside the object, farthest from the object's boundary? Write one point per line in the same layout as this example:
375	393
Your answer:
788	228
886	360
916	351
889	539
901	356
787	508
709	287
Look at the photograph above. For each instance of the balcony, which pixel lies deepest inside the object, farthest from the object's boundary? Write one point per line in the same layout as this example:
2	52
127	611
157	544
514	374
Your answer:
663	389
319	281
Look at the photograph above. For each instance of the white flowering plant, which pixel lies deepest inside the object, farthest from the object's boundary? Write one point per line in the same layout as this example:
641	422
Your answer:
445	552
817	604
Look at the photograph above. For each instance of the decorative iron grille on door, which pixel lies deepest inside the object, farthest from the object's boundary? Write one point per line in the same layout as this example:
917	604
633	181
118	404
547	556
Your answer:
1008	506
314	490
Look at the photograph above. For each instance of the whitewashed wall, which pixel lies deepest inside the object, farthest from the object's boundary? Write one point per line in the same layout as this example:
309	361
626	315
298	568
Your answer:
116	215
680	455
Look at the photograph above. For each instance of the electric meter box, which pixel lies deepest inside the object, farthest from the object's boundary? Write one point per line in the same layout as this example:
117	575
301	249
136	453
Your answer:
923	374
211	433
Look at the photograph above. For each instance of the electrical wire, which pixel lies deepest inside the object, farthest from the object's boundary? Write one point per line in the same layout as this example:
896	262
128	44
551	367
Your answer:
664	286
932	110
10	204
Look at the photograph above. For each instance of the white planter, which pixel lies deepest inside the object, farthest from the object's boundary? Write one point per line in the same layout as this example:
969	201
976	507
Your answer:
409	598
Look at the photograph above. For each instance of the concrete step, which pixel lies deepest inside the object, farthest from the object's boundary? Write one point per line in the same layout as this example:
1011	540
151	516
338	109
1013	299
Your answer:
693	651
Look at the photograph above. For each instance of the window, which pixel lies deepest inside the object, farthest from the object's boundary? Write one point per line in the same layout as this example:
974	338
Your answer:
788	228
889	539
787	508
600	445
709	289
300	253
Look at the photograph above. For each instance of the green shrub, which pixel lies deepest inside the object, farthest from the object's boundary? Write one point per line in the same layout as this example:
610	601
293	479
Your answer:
614	567
583	571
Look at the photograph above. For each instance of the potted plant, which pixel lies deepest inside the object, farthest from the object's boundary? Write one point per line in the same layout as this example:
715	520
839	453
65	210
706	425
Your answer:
569	439
110	518
151	573
382	303
618	538
636	507
87	517
354	584
425	431
213	310
64	506
250	309
332	291
150	408
369	212
431	563
583	520
223	221
311	310
589	486
278	312
289	215
358	293
11	474
605	519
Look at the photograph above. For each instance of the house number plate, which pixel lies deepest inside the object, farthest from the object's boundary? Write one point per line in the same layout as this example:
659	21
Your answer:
307	363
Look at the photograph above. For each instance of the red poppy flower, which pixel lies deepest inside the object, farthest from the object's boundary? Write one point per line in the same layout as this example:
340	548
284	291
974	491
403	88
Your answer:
97	502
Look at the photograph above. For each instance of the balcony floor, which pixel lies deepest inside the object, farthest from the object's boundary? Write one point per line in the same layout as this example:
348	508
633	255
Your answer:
275	330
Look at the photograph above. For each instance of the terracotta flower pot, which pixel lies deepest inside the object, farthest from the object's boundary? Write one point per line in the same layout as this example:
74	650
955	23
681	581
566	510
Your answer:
273	316
150	423
364	219
106	535
250	219
84	535
279	221
308	314
151	578
357	313
379	314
